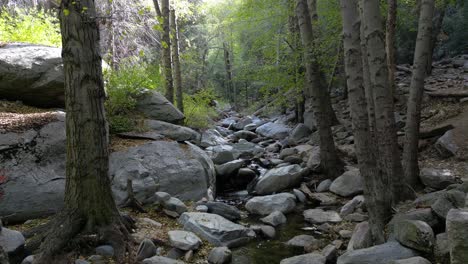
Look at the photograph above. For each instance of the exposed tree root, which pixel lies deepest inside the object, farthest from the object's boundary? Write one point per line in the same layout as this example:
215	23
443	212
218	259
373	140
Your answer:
133	202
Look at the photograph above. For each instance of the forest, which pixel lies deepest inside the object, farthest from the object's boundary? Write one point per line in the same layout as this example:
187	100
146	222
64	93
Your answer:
234	131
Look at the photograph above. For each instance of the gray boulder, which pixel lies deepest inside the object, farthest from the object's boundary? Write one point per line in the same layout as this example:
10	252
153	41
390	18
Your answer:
245	134
313	163
184	240
221	154
274	219
147	249
174	132
229	168
301	241
437	178
11	240
348	184
175	205
422	214
413	260
216	229
155	106
265	205
212	137
184	171
272	130
312	258
382	254
161	260
32	74
446	145
451	199
300	133
324	185
220	255
442	248
361	237
225	210
319	216
278	179
457	232
245	149
241	123
352	205
415	234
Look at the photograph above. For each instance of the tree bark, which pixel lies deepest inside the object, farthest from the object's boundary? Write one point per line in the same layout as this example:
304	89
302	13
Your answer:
163	12
391	41
227	65
385	128
440	15
376	199
316	87
413	114
176	61
89	205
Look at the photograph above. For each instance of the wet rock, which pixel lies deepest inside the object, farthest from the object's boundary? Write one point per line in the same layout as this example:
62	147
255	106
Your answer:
278	179
414	260
383	253
184	240
324	186
265	205
216	229
457	232
161	260
348	184
300	196
225	210
147	249
361	237
274	219
264	230
312	258
220	255
221	154
319	216
229	168
437	178
352	205
212	137
301	241
155	106
105	251
415	234
244	134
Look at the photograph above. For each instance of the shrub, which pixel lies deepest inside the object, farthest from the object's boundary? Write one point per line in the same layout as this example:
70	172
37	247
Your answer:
31	26
200	108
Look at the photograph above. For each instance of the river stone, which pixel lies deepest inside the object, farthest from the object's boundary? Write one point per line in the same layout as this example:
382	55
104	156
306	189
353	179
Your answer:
437	178
147	249
220	255
241	123
313	163
32	74
446	145
348	184
319	216
216	229
274	219
312	258
287	152
278	179
265	205
301	241
324	186
264	230
414	260
184	240
155	106
361	237
11	240
300	133
105	251
174	132
457	232
244	134
245	149
225	210
448	200
272	130
212	137
352	205
415	234
442	248
324	198
300	196
229	168
175	205
381	254
221	154
161	260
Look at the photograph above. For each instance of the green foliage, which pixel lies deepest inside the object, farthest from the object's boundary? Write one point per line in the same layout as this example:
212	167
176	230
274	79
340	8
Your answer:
199	108
456	27
123	86
31	26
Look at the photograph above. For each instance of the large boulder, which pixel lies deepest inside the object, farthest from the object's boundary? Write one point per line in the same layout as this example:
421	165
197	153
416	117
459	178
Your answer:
446	145
319	216
265	205
273	130
361	237
174	132
457	232
155	106
382	254
11	240
437	178
216	229
415	234
181	170
348	184
212	137
32	74
312	258
184	240
278	179
413	260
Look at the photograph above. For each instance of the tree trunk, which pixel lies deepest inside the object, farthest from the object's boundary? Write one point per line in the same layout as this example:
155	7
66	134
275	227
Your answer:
176	60
89	205
227	65
385	128
315	84
166	48
440	15
391	41
374	187
421	54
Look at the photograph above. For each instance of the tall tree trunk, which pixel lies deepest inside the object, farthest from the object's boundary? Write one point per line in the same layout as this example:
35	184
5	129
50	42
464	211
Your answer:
413	115
110	36
385	128
163	13
315	84
374	186
176	60
89	205
440	15
227	65
391	42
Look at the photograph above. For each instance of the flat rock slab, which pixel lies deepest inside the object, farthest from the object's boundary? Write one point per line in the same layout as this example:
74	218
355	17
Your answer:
348	184
381	254
184	240
311	258
216	229
278	179
265	205
161	260
319	216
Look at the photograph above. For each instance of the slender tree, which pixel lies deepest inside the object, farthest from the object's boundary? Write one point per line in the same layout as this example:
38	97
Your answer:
391	41
421	59
89	205
228	68
163	15
176	60
377	199
439	14
316	88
